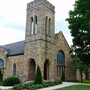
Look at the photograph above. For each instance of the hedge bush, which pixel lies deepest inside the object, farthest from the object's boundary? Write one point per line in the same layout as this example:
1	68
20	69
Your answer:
10	81
33	86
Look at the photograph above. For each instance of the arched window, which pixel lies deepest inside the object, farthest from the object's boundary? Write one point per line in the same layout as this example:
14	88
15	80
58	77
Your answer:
49	26
14	69
35	25
32	25
60	58
46	25
1	63
60	63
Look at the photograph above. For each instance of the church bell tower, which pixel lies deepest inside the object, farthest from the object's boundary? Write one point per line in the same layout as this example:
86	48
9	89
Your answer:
39	37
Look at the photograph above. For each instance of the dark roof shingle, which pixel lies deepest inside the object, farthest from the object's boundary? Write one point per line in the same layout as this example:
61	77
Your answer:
15	48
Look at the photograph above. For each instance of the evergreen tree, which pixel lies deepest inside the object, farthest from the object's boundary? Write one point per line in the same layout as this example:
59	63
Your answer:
38	77
1	75
79	25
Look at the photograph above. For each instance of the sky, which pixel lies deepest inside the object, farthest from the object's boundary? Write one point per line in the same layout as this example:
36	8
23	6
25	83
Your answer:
13	19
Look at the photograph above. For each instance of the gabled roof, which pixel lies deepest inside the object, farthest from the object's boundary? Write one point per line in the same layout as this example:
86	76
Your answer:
56	35
15	48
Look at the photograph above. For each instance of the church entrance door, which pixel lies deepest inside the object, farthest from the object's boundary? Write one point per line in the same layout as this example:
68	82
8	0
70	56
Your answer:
32	67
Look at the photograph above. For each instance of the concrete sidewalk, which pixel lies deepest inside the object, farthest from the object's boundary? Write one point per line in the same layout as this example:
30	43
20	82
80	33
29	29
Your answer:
5	87
64	84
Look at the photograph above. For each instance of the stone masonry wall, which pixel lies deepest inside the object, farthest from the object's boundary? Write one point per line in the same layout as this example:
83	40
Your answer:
61	44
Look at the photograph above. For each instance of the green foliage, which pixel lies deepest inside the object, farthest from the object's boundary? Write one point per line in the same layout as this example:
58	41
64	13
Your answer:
1	76
10	81
79	65
33	86
79	25
38	77
18	87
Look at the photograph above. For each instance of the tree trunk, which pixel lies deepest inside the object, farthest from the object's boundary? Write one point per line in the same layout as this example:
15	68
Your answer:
81	74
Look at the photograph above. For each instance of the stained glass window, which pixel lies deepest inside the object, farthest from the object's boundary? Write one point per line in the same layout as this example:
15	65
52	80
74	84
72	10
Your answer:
60	58
1	63
14	69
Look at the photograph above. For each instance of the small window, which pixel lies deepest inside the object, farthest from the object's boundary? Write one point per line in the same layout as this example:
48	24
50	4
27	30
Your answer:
32	25
35	25
49	26
46	25
14	69
1	63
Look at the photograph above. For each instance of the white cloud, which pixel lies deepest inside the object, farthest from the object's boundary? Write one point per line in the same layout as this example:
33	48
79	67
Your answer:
14	12
10	35
62	8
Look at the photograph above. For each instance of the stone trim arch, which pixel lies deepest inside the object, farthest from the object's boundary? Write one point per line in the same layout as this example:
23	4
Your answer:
31	69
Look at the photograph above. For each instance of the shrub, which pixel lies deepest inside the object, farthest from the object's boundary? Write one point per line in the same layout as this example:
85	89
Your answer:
1	76
11	81
57	82
51	83
22	86
33	86
63	76
18	87
38	77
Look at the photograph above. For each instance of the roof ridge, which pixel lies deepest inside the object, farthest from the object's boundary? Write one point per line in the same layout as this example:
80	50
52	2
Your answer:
13	43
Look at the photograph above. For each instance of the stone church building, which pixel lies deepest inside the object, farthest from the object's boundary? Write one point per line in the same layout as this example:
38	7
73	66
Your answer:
42	46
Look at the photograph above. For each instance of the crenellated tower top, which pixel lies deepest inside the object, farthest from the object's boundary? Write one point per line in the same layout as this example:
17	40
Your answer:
37	2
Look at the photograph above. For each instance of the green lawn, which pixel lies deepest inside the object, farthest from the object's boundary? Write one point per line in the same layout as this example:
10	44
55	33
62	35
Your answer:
76	87
0	83
86	81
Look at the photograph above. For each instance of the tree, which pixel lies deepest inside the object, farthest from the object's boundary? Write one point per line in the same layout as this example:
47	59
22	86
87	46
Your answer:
38	77
79	65
79	25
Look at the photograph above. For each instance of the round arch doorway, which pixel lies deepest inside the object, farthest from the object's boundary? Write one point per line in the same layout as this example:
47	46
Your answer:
46	70
32	67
